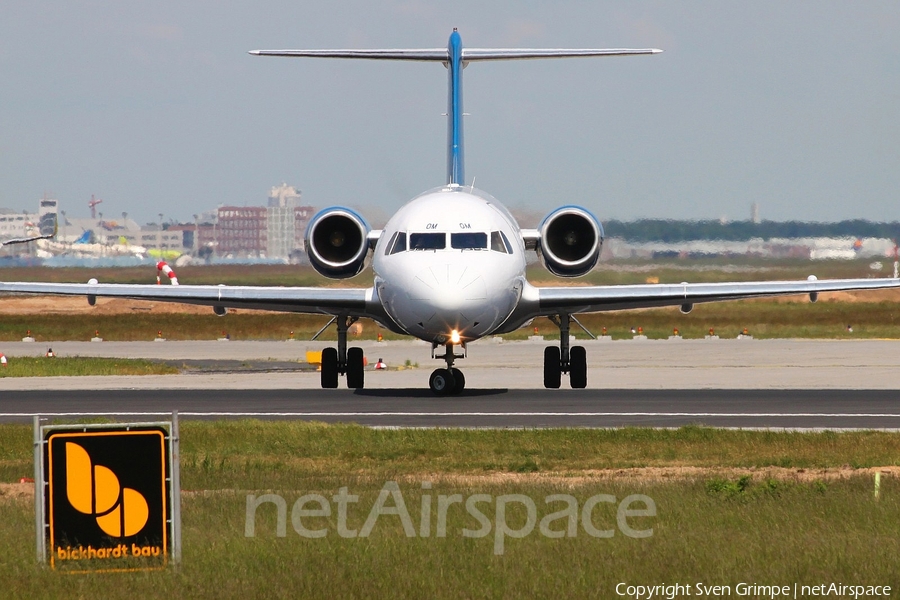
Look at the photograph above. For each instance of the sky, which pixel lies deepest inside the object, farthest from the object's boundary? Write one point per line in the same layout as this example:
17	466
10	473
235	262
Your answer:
156	107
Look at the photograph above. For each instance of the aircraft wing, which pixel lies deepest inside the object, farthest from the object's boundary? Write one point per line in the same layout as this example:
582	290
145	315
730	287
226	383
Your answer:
27	239
33	238
24	240
330	301
553	300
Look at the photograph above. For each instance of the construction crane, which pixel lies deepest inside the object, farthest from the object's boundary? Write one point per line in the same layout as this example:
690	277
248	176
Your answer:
92	204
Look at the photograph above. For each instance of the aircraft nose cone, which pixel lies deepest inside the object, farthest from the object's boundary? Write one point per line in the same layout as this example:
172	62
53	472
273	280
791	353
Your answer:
448	286
447	297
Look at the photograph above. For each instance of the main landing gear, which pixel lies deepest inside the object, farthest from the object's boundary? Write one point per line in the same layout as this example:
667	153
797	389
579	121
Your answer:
564	359
341	360
444	382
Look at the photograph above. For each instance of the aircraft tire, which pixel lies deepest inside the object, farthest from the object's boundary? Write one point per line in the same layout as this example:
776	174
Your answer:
578	367
552	369
329	368
442	382
355	372
460	380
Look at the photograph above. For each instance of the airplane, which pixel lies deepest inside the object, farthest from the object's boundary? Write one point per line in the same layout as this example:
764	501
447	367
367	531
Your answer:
85	237
449	266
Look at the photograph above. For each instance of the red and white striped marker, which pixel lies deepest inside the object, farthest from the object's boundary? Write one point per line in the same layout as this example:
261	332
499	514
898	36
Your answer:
3	360
380	365
163	267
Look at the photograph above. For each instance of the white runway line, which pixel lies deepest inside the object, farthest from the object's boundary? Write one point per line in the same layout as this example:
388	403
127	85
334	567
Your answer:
451	414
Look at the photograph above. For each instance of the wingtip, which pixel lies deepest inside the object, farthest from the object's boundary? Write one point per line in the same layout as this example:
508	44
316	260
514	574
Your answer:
656	51
254	52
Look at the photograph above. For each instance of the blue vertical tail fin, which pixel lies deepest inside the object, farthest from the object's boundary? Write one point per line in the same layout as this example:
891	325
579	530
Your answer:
455	57
455	171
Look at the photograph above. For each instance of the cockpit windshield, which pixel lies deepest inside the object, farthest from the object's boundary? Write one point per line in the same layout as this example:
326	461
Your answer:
470	240
427	241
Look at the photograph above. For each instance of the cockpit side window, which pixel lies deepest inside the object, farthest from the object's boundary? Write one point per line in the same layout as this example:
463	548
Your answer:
470	240
499	243
399	243
506	241
427	241
389	247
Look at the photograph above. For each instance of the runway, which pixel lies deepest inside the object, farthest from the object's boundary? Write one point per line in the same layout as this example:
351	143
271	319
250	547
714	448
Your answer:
627	364
725	383
831	409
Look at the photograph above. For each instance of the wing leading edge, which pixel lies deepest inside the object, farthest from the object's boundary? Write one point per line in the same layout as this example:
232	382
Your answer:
554	300
360	302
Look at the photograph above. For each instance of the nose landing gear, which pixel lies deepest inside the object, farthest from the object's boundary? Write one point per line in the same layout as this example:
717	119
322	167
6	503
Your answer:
564	359
444	382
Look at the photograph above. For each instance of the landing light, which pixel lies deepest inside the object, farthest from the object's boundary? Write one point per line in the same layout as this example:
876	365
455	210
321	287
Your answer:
454	337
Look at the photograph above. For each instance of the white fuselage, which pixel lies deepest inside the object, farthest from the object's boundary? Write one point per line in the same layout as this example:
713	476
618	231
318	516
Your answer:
451	259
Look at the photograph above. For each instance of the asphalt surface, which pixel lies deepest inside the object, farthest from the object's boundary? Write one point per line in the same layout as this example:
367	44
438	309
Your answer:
665	383
648	364
493	407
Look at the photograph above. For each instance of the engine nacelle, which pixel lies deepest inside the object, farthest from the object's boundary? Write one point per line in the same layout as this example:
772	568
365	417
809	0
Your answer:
337	242
571	239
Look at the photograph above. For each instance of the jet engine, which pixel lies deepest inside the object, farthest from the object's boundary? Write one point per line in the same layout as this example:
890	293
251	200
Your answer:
571	238
336	242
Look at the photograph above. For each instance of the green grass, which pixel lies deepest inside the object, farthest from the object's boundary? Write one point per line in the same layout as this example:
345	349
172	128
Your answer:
174	326
30	366
249	454
289	275
824	319
800	533
764	320
714	528
720	269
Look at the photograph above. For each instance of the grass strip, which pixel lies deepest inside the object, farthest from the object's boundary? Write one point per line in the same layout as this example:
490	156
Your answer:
824	319
32	366
709	528
253	454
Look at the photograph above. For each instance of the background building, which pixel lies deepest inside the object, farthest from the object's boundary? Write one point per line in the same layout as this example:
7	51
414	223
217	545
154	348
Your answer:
48	215
286	221
272	231
16	224
241	231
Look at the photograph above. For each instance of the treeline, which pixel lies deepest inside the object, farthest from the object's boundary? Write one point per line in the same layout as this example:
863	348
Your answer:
660	230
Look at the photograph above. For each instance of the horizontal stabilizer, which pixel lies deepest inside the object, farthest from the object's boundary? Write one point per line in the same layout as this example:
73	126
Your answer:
435	54
477	54
468	54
